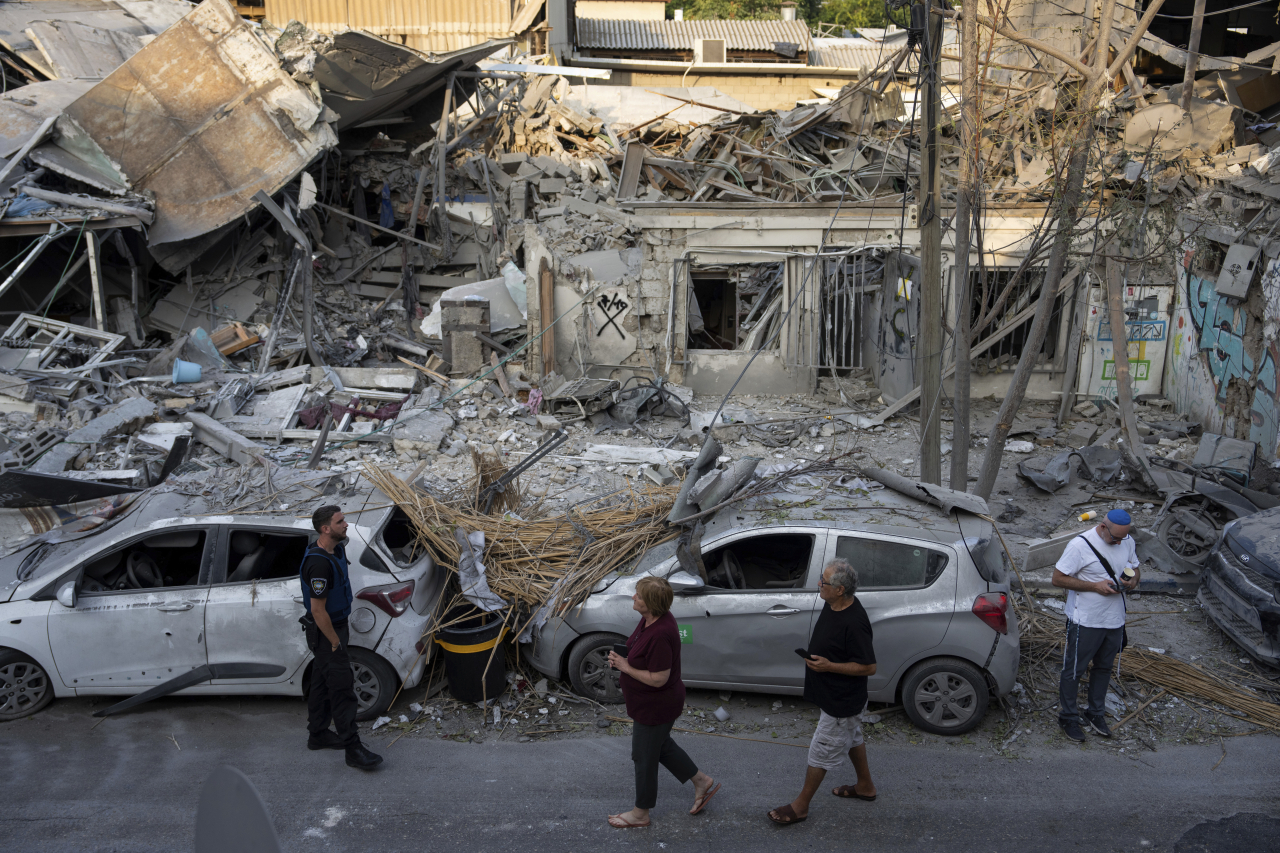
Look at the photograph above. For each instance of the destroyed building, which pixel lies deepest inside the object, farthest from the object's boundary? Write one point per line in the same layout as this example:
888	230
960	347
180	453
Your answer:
331	228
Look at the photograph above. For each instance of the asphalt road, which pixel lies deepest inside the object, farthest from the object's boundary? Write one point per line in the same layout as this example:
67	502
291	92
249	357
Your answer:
131	784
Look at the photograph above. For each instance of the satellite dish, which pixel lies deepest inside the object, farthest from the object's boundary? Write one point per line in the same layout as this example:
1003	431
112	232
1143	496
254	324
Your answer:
231	816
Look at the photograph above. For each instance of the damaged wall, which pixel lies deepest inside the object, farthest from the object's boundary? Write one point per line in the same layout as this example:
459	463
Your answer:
1224	357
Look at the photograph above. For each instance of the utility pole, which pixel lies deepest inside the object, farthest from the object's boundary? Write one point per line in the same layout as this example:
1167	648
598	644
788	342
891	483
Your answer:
1193	54
929	344
966	210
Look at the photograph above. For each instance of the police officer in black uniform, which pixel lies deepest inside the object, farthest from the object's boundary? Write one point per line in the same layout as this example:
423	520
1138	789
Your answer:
326	593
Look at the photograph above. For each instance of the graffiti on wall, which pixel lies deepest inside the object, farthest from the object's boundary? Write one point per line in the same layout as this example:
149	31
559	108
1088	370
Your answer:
1223	327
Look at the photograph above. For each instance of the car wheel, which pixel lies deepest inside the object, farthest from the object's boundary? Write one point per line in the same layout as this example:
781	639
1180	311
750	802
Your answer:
589	670
24	686
1183	538
945	696
375	683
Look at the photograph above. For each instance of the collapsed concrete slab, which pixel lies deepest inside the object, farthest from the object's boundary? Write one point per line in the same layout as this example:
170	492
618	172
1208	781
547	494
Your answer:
205	141
110	422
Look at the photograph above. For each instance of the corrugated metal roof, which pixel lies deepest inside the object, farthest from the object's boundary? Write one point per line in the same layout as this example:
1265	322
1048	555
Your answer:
427	25
679	35
861	52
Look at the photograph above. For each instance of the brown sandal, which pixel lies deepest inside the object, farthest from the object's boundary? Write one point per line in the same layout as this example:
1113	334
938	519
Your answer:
847	792
787	815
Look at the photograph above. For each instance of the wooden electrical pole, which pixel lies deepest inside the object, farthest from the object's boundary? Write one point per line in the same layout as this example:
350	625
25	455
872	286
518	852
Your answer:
1193	54
966	208
929	216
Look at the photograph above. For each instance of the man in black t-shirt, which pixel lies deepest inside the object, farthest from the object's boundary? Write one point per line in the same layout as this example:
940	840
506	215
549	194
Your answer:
840	659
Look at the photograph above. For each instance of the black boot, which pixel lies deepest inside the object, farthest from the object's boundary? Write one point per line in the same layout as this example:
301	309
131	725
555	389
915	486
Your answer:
361	758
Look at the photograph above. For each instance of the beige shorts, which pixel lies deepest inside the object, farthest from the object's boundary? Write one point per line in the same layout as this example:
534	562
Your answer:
833	739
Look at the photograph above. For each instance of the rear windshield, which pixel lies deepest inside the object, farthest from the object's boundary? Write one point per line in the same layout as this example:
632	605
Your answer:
990	559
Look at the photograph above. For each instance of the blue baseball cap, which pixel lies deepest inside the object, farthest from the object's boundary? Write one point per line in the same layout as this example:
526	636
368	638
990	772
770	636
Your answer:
1119	516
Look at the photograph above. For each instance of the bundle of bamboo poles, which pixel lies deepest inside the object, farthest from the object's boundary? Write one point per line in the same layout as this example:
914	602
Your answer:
1042	639
525	559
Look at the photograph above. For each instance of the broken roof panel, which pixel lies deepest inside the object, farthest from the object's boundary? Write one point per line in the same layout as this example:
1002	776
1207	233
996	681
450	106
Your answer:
679	35
23	110
364	76
203	141
74	50
16	16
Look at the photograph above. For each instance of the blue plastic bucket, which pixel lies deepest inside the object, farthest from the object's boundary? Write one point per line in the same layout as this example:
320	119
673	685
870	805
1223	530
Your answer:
185	371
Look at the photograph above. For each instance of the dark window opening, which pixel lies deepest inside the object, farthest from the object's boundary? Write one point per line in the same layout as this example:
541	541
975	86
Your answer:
255	556
987	288
1208	259
844	298
162	560
735	306
891	565
400	540
773	561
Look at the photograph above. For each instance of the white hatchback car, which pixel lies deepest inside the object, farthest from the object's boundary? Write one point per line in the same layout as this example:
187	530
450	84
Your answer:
166	592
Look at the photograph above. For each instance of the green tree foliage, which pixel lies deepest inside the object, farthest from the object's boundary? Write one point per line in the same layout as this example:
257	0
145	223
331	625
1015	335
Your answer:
850	14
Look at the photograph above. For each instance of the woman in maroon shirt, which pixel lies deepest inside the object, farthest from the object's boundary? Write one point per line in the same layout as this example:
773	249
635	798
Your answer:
655	698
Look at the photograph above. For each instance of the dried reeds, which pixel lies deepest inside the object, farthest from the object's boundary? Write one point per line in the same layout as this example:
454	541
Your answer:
558	559
1042	640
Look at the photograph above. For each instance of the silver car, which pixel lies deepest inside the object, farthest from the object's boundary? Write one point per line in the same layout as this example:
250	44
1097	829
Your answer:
934	586
168	593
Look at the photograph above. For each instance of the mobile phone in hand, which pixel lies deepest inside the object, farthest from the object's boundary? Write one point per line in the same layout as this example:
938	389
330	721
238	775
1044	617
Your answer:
803	654
620	649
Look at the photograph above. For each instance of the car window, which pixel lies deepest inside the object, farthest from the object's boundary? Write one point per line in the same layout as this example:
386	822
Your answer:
169	559
400	539
769	561
891	565
259	555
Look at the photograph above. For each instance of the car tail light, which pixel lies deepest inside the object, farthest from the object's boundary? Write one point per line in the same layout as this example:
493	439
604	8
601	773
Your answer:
993	608
392	599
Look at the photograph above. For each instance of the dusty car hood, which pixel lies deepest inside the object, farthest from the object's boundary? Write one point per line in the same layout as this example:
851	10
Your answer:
1258	537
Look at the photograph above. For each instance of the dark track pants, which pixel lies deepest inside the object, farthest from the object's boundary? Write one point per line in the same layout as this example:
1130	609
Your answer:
332	694
1099	645
651	746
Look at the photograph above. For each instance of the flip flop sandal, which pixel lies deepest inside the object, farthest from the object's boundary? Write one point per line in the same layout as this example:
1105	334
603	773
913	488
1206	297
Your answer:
848	793
626	824
705	797
788	813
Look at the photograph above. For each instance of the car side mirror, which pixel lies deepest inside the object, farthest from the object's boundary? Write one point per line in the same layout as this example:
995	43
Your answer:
67	594
682	581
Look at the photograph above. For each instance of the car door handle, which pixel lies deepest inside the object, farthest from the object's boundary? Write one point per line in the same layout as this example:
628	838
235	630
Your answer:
781	610
176	606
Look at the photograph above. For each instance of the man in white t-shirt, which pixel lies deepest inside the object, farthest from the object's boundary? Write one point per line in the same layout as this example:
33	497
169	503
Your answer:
1095	616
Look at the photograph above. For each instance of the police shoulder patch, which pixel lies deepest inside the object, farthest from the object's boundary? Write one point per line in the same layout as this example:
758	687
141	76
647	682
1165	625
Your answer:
318	586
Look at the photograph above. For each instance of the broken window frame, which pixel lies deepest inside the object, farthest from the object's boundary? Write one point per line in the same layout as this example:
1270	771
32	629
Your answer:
46	340
734	272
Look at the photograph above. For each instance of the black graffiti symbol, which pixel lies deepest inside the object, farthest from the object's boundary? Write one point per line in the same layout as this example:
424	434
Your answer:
607	303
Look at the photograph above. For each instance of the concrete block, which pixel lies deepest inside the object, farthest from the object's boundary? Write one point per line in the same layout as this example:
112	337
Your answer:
225	440
110	422
425	427
1082	434
550	186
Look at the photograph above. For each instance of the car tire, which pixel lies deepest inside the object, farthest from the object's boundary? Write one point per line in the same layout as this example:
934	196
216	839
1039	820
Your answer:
375	683
589	670
945	696
25	687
